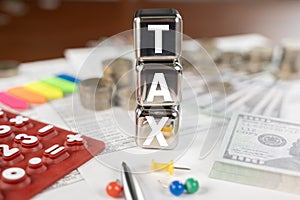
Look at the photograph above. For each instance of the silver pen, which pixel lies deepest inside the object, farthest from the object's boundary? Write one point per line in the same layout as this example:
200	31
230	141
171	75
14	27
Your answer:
131	187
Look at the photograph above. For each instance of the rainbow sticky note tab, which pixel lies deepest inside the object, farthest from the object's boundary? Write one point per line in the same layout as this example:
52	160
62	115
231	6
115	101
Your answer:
13	102
46	90
27	95
64	85
52	87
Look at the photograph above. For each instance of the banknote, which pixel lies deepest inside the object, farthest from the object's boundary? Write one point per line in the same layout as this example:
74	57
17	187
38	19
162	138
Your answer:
261	151
257	94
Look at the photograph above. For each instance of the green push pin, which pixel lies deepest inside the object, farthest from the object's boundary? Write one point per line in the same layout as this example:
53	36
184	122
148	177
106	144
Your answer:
191	185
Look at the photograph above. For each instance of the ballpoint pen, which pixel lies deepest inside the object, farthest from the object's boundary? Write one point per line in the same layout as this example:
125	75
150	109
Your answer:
131	187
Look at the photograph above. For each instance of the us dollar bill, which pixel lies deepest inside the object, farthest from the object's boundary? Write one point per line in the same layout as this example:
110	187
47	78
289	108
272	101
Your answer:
260	151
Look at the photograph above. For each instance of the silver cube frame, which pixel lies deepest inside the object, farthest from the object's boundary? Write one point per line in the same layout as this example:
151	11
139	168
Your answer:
170	111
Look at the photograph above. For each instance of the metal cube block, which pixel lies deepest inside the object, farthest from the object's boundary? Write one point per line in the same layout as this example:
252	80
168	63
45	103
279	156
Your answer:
157	127
159	84
157	34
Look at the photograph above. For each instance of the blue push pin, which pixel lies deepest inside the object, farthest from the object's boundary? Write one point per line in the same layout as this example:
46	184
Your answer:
176	188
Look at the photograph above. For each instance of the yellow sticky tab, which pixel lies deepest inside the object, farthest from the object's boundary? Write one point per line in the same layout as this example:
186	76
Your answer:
27	95
46	90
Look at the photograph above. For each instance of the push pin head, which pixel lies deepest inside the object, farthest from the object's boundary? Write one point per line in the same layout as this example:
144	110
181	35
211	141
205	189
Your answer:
157	34
114	189
169	167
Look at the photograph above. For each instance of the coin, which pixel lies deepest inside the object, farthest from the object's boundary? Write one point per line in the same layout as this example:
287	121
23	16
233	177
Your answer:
8	68
290	60
126	98
120	70
96	93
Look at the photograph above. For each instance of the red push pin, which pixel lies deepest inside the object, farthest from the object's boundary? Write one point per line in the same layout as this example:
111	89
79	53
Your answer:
114	189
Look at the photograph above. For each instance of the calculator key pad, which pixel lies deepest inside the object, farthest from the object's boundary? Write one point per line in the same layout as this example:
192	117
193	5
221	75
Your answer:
34	155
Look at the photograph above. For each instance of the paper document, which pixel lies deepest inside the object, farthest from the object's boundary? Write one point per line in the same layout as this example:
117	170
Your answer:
102	125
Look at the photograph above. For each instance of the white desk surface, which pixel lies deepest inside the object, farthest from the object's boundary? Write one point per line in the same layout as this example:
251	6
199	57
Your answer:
211	189
98	176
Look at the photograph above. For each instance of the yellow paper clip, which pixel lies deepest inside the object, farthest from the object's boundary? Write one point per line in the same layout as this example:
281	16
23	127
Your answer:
169	167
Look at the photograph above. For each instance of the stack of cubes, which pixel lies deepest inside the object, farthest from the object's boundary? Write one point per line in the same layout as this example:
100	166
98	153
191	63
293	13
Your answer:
158	38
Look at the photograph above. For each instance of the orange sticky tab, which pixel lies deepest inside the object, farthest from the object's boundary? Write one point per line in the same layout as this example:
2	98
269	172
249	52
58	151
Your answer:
27	95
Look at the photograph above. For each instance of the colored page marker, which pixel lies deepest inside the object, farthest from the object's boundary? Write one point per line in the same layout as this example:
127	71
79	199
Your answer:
65	86
46	90
27	95
67	77
13	102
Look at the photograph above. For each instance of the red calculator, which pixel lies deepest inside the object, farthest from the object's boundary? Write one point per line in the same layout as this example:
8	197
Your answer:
34	155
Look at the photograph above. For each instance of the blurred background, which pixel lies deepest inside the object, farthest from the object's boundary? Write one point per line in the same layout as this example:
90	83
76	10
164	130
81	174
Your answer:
41	29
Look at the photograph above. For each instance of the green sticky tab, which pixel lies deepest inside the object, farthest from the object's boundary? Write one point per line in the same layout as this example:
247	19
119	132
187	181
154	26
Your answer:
64	85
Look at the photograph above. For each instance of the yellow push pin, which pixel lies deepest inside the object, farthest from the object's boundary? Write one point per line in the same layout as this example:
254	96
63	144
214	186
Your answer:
167	131
156	166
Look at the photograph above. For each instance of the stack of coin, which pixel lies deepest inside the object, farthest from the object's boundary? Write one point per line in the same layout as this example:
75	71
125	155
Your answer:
119	70
126	98
96	93
257	59
289	66
8	68
229	59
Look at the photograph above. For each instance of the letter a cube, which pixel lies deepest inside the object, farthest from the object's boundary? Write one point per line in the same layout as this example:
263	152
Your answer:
159	84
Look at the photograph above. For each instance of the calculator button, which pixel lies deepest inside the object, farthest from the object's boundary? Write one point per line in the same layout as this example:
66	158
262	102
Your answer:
5	132
35	162
35	166
13	174
75	142
19	121
28	143
26	140
8	153
47	132
14	177
74	139
55	154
